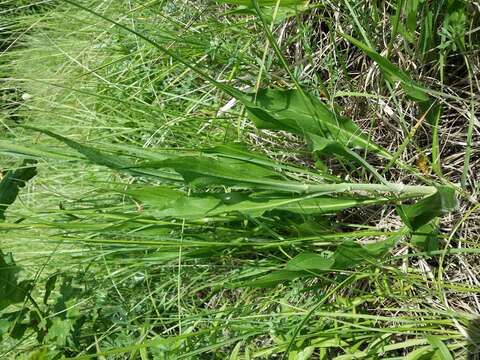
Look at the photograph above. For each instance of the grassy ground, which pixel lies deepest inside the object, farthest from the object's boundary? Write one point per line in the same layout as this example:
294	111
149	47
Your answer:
186	205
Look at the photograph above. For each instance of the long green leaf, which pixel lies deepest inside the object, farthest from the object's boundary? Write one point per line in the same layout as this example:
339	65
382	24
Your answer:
302	114
441	350
392	72
221	171
207	170
100	157
161	201
282	3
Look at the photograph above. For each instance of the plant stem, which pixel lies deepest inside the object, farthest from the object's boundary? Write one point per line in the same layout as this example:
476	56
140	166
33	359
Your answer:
396	188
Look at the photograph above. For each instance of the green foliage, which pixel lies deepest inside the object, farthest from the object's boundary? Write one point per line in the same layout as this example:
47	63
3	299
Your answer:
12	290
419	214
177	230
12	182
303	114
426	237
285	9
164	202
392	73
435	27
440	349
320	145
421	217
347	255
281	3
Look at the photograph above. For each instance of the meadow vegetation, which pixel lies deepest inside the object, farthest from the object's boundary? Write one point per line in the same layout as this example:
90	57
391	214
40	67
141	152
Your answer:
239	179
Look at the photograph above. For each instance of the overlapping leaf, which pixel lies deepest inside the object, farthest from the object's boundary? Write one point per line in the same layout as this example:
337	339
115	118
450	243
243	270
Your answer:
421	217
282	3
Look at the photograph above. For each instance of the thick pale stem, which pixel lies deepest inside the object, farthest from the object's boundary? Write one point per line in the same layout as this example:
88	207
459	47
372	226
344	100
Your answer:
408	190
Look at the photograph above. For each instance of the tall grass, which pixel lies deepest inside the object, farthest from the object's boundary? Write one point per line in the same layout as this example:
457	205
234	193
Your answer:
255	180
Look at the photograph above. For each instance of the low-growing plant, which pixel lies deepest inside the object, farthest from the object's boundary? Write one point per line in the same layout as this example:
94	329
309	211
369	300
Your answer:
220	250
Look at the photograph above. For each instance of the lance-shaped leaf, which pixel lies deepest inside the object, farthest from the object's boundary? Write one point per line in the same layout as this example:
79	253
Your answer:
441	351
392	72
161	201
92	154
241	152
211	170
301	113
292	110
350	253
282	3
286	8
101	157
221	171
309	261
207	170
